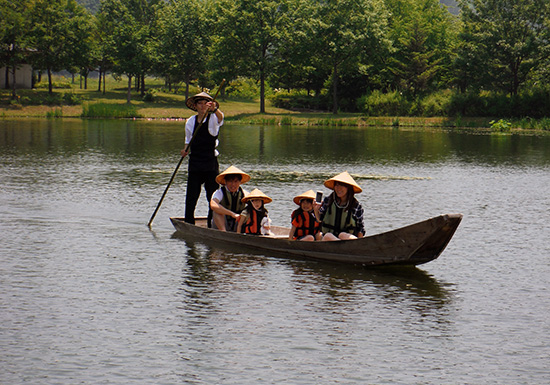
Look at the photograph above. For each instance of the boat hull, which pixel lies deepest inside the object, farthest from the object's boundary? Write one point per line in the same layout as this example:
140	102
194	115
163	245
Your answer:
410	245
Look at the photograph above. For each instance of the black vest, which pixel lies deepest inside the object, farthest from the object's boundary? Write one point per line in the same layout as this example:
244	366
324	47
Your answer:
203	157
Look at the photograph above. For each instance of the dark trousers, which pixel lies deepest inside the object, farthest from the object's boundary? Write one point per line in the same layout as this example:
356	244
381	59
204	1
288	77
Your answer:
194	182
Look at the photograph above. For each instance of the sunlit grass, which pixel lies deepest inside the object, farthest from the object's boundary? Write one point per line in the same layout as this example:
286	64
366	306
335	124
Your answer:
111	103
110	110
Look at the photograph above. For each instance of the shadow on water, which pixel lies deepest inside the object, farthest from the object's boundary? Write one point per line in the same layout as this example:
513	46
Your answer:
209	262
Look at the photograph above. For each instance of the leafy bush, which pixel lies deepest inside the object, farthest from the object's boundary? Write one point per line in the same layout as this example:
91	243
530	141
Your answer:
57	113
436	104
71	99
534	104
500	125
378	103
296	100
150	95
60	82
243	89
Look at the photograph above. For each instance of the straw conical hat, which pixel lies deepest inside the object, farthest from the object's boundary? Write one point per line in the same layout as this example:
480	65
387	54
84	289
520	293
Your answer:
200	96
220	179
343	178
256	194
310	194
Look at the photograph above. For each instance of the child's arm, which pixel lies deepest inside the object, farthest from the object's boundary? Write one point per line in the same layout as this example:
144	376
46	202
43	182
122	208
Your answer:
241	222
292	231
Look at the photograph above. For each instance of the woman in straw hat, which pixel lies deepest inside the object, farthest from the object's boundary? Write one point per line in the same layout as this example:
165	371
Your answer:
305	226
254	219
226	202
341	214
203	158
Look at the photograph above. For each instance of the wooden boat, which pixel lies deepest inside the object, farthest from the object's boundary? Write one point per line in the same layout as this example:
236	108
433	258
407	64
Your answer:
410	245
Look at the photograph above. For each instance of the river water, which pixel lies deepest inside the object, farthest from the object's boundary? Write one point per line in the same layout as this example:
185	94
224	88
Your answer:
89	294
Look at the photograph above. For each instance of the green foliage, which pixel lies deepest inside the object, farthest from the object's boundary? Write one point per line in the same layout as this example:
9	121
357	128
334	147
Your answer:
59	31
434	104
296	100
61	83
71	99
503	42
378	103
243	89
56	113
533	124
500	125
149	95
535	104
104	110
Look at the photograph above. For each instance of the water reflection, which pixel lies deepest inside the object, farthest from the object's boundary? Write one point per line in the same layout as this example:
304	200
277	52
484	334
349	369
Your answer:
268	145
212	262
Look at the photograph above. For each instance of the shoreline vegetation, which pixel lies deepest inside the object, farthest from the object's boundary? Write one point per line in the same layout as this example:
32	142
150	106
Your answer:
70	101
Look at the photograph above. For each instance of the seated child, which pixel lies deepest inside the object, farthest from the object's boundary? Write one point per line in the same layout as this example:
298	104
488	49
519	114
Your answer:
254	219
305	226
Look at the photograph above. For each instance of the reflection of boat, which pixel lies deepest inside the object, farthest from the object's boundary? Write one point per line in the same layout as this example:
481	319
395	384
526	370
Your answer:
410	245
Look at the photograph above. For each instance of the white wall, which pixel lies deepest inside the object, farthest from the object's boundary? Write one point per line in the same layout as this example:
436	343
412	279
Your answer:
23	77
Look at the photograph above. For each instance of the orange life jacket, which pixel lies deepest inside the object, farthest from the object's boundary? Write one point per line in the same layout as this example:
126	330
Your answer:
253	224
305	223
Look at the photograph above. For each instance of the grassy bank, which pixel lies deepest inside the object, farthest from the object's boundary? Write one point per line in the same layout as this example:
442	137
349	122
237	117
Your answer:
70	100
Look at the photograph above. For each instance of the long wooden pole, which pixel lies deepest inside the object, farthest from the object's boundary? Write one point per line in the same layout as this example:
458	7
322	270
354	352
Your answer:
187	147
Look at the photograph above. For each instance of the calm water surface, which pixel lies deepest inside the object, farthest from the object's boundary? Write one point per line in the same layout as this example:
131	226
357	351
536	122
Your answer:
88	294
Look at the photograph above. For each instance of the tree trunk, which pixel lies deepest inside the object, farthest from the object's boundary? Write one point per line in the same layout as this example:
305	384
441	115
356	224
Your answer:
335	88
129	94
262	91
50	85
187	88
13	87
99	82
142	85
7	76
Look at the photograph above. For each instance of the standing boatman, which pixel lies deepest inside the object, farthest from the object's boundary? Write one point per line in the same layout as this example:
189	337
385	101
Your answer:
201	141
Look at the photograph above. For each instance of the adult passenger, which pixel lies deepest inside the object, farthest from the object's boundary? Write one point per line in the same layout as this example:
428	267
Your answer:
341	213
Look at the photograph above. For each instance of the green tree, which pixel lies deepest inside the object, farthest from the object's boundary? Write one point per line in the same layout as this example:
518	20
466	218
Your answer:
248	36
508	37
423	36
103	42
297	64
345	31
131	44
14	38
183	41
58	28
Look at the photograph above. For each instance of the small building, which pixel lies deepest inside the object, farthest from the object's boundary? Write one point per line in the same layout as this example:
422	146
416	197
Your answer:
23	77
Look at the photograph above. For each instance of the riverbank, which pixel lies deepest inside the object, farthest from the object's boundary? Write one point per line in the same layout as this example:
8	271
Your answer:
172	106
70	101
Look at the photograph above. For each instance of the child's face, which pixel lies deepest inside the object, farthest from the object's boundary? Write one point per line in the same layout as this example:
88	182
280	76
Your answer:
306	204
257	203
232	184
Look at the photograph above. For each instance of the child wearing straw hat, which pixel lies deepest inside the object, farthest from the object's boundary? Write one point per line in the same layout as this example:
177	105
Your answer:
341	213
201	141
305	226
226	202
254	219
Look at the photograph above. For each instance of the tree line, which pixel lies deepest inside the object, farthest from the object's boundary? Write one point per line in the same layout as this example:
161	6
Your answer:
343	49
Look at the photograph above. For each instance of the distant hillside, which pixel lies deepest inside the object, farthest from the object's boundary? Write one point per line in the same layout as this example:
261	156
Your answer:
93	5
